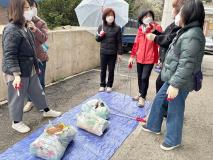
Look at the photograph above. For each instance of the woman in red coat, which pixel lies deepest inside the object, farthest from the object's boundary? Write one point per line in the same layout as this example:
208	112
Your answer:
146	53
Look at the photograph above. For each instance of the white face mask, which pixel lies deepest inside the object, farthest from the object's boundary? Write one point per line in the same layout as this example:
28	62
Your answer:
177	20
34	11
110	19
147	20
28	15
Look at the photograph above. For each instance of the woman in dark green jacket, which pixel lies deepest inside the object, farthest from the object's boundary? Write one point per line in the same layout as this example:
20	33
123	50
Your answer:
182	63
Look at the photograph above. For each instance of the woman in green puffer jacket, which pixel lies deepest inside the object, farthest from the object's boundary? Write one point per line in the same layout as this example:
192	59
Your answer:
183	60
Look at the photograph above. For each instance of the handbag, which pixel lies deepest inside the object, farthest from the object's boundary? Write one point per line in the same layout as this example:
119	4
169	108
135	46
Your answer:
198	78
45	47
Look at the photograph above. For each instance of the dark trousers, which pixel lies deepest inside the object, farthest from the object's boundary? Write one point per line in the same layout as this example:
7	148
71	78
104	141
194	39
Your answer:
41	76
144	72
159	84
107	61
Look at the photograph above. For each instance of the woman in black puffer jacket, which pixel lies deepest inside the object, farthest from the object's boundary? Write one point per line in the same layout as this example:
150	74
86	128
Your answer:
20	66
109	34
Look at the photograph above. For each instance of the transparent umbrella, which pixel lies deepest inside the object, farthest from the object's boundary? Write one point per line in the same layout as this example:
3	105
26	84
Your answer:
89	12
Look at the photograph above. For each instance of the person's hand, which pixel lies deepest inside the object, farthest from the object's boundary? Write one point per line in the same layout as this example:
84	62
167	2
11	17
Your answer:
47	57
16	81
38	71
131	60
119	58
150	36
160	64
172	92
32	26
150	28
102	33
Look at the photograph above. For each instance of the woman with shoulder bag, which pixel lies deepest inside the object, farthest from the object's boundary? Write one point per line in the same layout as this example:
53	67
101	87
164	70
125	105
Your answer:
40	32
182	63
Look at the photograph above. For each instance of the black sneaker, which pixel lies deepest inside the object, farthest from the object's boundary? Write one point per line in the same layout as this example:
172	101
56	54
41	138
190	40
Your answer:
167	147
147	130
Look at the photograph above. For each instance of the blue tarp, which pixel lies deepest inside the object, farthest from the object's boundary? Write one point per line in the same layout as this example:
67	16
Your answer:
87	146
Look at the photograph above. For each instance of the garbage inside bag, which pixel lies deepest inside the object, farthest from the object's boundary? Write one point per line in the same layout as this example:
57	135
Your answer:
92	123
97	107
53	142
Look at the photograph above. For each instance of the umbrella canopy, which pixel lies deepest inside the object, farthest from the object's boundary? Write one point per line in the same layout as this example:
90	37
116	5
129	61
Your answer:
89	12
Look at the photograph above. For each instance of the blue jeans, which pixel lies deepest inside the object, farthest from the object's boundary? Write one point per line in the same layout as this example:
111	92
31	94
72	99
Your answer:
175	115
41	76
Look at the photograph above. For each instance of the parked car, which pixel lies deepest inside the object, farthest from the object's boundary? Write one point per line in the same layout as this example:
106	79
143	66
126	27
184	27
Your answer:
209	45
129	32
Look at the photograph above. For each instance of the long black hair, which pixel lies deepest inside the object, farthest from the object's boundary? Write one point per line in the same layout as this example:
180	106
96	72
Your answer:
143	14
32	2
193	10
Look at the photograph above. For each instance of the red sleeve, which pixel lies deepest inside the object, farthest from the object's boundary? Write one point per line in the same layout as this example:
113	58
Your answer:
41	33
159	28
136	44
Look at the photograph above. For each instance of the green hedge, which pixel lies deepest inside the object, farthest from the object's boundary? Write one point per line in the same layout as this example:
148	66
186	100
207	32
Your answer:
58	12
61	12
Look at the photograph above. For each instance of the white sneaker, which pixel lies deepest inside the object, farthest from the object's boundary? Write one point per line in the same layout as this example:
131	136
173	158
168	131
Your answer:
52	113
101	89
28	107
136	98
167	147
144	128
141	102
109	89
20	127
